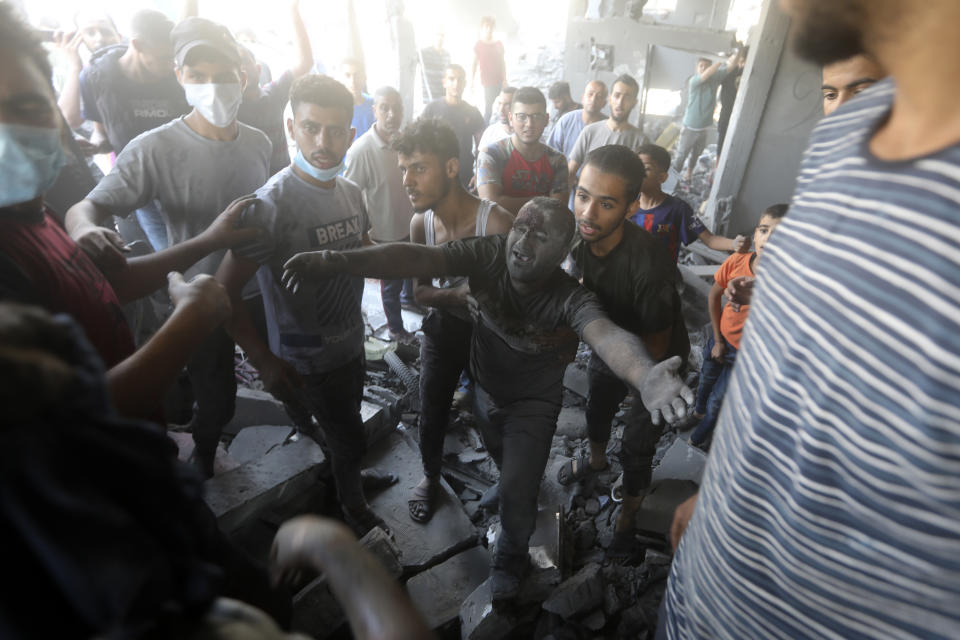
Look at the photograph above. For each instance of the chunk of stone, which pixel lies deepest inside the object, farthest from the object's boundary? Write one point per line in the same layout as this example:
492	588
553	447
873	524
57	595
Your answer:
681	461
654	558
579	594
256	407
572	422
385	549
422	545
479	620
585	535
241	493
538	584
633	622
438	593
591	506
575	379
595	620
656	512
255	442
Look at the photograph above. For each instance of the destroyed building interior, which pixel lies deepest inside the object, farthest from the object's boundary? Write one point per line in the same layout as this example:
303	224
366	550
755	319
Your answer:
386	319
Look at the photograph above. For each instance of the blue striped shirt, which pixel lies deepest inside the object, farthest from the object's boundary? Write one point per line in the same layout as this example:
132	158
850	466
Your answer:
831	503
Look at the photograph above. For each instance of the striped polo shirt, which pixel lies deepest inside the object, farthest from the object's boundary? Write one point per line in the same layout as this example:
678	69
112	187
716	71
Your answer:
830	507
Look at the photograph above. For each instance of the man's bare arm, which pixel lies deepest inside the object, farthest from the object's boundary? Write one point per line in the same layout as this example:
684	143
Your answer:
423	290
84	223
572	167
710	71
661	389
375	605
302	41
137	384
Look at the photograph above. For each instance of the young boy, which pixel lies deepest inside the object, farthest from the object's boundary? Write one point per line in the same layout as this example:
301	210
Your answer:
720	351
668	218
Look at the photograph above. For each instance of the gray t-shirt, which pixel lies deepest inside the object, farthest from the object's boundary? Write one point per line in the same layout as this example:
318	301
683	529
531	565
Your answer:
599	134
321	327
191	177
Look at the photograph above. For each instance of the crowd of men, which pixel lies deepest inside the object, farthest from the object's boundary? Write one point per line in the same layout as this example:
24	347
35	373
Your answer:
827	399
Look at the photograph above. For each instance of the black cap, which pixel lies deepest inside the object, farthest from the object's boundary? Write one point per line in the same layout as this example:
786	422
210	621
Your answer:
196	32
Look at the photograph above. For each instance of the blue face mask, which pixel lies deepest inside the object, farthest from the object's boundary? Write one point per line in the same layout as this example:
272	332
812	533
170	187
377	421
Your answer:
323	175
30	161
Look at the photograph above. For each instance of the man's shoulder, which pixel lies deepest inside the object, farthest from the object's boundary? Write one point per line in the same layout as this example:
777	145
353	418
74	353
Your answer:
565	119
645	253
103	66
169	133
254	137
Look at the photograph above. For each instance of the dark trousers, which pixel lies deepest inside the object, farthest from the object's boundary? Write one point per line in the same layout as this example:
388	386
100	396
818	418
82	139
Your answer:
214	390
605	393
714	378
444	353
518	436
333	398
393	293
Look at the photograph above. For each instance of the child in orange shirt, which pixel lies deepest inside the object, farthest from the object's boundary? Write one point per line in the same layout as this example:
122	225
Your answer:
720	352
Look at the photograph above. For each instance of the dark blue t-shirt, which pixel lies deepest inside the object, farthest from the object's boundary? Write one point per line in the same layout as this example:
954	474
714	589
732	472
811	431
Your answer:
265	112
671	222
124	107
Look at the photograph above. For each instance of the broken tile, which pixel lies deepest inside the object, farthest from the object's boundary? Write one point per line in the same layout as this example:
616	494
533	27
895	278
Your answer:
255	442
256	407
575	379
579	594
682	461
438	593
384	549
572	422
479	620
656	512
239	494
421	545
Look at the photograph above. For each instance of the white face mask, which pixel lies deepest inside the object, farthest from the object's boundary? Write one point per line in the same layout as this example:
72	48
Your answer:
217	103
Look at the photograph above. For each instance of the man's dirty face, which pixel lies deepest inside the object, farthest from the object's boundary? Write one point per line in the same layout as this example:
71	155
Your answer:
536	245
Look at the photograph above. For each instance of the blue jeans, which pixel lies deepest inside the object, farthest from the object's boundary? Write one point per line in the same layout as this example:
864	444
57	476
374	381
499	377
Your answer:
393	293
154	226
714	377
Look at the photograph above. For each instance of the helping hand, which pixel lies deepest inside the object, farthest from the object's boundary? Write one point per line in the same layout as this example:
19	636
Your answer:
664	394
279	378
297	539
105	247
739	291
741	244
312	265
202	292
225	231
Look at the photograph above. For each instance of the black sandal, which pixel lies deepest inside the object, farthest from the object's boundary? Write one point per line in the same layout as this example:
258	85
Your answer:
423	500
566	475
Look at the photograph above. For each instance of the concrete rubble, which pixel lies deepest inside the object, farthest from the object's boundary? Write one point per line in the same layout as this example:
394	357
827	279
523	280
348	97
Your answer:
268	472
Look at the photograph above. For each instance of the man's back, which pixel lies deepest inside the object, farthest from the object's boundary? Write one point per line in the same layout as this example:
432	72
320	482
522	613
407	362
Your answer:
831	501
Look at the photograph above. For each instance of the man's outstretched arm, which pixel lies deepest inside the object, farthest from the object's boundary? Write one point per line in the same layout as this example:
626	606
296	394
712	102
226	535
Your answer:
661	389
393	261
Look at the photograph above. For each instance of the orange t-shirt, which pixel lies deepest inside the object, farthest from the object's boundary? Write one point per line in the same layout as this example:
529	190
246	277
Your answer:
731	322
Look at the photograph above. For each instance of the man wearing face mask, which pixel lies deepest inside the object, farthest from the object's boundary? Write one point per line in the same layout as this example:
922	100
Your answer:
528	315
314	362
192	167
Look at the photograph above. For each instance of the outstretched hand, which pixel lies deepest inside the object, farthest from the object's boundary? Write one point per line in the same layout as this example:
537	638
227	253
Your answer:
741	244
664	394
297	540
311	265
739	291
105	247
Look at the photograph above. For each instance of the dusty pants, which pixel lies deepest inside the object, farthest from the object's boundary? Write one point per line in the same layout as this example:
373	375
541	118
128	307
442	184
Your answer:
518	436
640	435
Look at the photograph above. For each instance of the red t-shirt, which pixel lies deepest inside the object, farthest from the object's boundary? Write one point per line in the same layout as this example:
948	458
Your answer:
490	60
731	322
40	264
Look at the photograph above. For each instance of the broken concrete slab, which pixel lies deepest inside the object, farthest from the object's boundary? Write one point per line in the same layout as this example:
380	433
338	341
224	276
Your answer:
479	620
315	609
682	461
656	512
438	593
575	379
222	461
421	545
239	494
255	442
256	407
572	422
581	593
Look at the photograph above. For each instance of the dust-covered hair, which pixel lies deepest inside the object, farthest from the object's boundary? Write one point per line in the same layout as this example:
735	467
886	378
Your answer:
428	135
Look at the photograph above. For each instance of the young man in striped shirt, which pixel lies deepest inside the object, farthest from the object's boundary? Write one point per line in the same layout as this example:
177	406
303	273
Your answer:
830	504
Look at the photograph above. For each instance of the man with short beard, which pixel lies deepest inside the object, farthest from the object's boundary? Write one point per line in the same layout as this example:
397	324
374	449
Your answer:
829	507
372	164
614	130
569	126
528	315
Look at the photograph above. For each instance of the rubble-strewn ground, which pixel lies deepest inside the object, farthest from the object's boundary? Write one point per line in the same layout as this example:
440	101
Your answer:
267	472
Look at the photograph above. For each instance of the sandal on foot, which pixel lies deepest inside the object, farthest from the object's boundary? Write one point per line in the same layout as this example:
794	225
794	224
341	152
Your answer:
362	519
423	500
374	480
567	475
